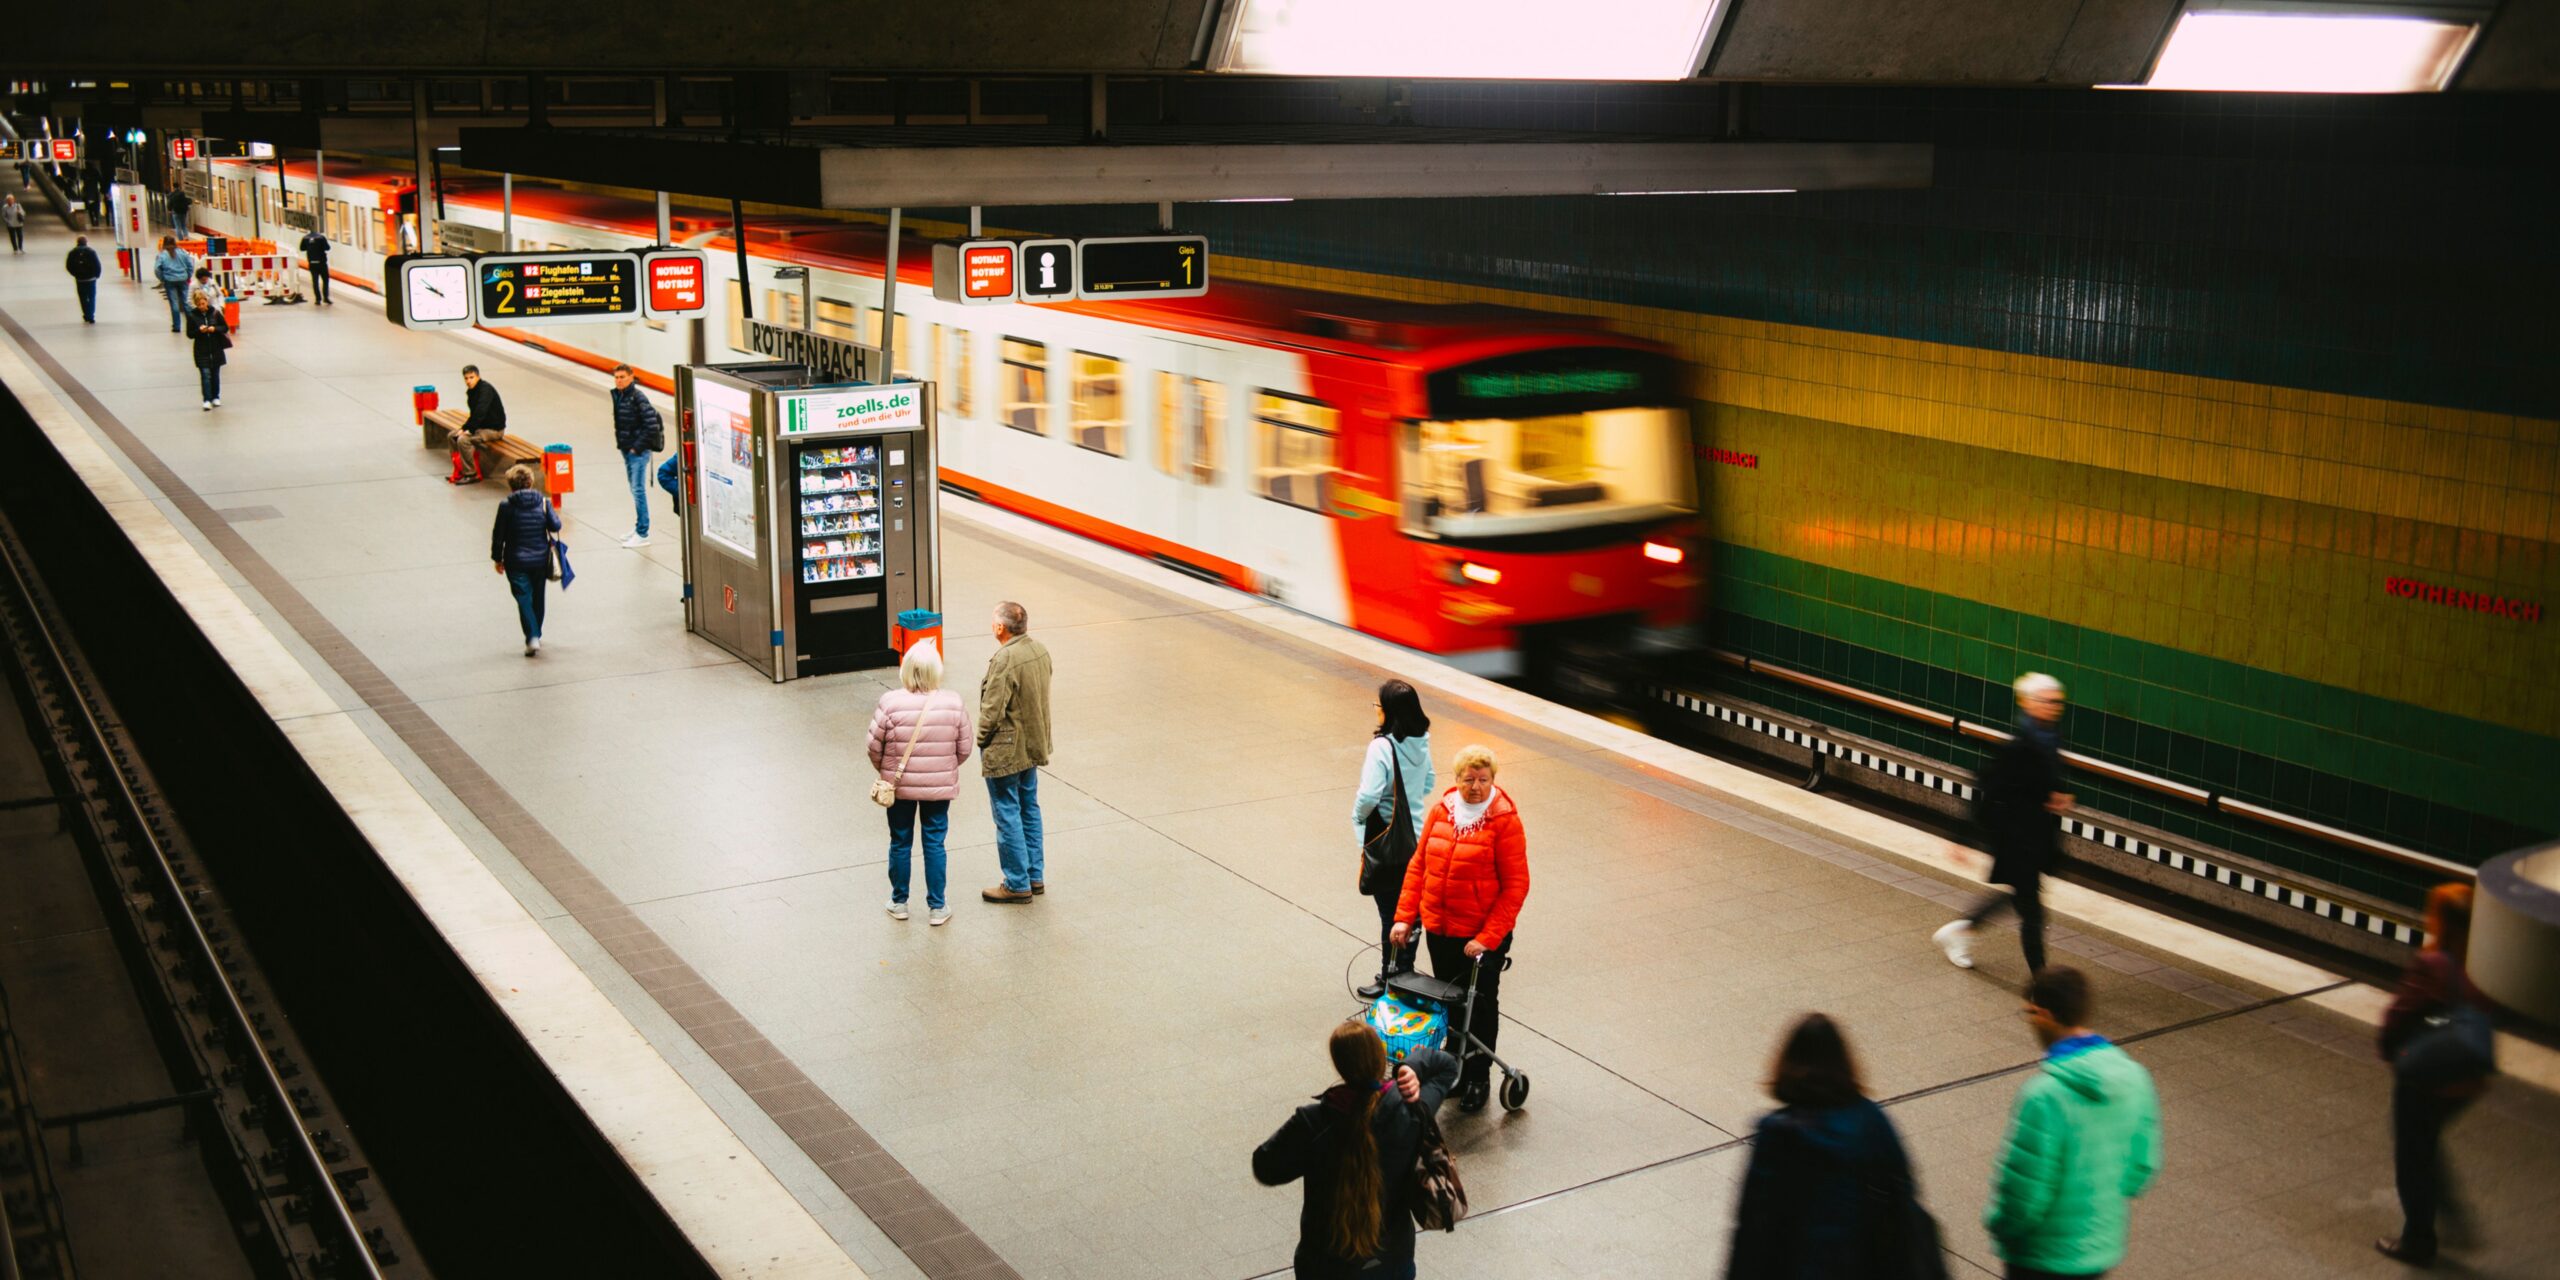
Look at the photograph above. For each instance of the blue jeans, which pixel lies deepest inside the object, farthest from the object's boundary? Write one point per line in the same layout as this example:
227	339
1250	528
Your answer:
527	585
210	375
1015	797
902	826
636	466
88	298
177	303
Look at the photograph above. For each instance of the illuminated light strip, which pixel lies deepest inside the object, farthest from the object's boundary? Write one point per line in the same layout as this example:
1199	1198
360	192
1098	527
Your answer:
2391	929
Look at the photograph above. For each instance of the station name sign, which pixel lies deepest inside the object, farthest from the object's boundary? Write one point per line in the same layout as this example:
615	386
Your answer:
559	288
828	359
1101	269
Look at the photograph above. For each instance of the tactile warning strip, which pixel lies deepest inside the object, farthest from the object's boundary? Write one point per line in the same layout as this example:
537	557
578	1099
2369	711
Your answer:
2177	859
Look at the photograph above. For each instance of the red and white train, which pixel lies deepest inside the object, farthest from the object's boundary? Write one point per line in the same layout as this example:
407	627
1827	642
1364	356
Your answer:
1499	487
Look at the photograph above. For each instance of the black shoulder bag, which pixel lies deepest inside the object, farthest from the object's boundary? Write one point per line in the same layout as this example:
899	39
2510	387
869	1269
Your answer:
1384	854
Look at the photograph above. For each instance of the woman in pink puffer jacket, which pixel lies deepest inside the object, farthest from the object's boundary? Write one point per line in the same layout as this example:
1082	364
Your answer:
928	777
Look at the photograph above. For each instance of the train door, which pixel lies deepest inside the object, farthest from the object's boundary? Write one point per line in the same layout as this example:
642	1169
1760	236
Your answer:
1194	421
1287	462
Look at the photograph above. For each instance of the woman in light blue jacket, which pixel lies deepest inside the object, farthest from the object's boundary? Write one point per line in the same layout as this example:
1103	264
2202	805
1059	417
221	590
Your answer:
1401	748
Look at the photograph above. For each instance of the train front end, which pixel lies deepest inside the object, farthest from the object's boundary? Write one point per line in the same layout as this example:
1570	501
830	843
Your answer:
1547	493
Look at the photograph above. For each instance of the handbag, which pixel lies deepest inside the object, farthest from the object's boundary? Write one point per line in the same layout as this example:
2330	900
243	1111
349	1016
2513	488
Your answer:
2457	1045
1384	854
1905	1244
884	792
1439	1195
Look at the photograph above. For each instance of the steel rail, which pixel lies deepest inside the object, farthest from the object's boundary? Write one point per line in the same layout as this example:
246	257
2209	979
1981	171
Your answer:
360	1252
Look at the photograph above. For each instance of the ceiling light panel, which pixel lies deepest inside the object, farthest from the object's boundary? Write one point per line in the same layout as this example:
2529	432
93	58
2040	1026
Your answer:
2311	51
1471	39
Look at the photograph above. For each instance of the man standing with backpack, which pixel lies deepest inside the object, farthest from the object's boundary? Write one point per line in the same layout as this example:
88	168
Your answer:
638	432
315	257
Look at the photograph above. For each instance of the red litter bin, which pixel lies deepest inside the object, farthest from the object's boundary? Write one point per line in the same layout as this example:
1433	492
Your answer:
423	400
916	625
559	472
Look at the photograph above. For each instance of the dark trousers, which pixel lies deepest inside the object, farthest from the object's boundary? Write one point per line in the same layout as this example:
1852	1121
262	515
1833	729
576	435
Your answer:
1391	958
88	299
2027	898
1449	963
319	268
527	587
210	376
2418	1118
17	239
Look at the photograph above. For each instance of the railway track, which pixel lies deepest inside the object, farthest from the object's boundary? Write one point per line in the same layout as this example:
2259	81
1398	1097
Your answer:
298	1186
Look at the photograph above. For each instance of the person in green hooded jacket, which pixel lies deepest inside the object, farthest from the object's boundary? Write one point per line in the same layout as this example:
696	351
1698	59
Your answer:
2085	1140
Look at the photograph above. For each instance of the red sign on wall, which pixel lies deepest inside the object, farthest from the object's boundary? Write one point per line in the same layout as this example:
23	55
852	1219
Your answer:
986	271
182	148
66	150
2456	598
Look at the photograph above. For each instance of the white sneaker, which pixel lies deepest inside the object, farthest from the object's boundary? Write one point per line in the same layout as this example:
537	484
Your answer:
217	402
897	911
940	916
528	648
536	647
208	406
1956	939
636	540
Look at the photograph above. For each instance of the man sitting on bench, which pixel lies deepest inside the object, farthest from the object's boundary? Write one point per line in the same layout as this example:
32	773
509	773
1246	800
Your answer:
487	423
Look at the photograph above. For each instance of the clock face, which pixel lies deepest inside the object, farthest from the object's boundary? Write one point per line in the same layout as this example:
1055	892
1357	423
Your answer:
437	292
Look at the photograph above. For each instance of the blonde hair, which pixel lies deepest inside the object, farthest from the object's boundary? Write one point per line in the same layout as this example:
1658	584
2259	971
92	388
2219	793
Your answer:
2035	683
921	670
199	298
1471	756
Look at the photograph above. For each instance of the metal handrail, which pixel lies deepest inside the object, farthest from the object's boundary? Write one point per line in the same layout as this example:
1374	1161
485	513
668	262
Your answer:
2195	795
327	1182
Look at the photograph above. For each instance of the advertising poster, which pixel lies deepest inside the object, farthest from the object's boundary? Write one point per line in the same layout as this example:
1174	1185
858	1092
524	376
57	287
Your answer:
725	444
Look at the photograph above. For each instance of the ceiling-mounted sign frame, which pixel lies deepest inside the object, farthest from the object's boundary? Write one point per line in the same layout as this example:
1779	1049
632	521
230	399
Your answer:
977	272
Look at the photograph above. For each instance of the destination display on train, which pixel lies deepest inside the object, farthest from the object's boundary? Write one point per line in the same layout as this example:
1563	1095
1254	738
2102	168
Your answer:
1561	380
559	288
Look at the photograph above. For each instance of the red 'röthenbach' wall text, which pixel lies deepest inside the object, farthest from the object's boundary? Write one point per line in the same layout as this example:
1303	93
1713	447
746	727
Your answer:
1746	461
2455	598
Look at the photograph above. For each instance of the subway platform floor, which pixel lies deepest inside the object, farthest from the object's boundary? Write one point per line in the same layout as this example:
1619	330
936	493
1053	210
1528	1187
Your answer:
1072	1088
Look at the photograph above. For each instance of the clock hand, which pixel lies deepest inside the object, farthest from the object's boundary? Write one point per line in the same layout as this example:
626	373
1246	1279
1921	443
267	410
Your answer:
431	289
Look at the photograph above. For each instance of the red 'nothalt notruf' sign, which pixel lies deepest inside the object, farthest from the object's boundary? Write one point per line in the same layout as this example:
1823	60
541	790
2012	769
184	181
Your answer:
2456	598
987	271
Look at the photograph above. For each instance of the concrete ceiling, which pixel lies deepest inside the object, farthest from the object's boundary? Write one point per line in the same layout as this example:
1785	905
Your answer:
1941	42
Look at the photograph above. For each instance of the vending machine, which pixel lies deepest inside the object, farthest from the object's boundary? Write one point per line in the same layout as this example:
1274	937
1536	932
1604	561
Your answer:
810	515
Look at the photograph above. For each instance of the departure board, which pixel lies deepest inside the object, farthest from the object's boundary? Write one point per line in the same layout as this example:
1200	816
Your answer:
559	288
1142	266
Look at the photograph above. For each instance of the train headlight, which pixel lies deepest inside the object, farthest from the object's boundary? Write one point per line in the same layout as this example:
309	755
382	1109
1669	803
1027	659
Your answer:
1664	552
1473	572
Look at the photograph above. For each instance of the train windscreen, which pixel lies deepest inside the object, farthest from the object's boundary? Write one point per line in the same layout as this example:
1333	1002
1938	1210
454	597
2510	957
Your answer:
1548	440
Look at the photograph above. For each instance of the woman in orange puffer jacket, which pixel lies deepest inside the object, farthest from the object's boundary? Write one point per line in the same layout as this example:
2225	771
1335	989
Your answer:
1469	875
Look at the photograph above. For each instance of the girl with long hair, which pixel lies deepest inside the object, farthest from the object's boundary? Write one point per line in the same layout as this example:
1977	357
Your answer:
1355	1147
1828	1192
1399	749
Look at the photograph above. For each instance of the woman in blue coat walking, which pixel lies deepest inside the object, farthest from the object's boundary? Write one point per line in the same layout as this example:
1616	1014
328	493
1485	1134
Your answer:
520	548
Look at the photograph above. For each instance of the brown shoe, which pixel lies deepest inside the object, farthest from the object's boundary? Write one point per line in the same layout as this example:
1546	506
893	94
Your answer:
1002	894
1037	887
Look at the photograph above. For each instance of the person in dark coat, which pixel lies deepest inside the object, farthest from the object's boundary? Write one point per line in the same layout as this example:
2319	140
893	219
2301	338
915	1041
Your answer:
1828	1194
520	548
315	257
82	263
2015	803
638	431
1355	1147
211	336
486	423
2437	979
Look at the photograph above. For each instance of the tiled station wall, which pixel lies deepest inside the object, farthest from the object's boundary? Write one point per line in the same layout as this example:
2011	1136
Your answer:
2159	393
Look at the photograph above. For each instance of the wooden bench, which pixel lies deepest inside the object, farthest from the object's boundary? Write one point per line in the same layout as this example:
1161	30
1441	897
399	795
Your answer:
436	433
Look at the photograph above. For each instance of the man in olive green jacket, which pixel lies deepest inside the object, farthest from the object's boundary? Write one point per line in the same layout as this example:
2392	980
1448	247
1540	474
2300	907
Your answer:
1013	742
2085	1141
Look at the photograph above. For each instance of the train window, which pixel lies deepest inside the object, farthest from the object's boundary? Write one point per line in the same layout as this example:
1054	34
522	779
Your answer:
783	309
1189	412
1094	414
959	388
906	335
1293	446
738	320
1026	386
919	347
1490	476
835	316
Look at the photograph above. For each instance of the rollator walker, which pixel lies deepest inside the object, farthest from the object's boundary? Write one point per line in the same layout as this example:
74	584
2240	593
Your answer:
1415	1013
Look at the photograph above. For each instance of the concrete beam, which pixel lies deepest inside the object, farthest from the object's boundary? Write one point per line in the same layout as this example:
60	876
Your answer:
857	178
